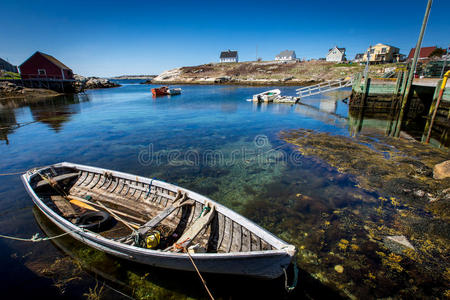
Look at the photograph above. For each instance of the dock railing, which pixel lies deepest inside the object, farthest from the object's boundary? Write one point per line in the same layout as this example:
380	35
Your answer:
324	87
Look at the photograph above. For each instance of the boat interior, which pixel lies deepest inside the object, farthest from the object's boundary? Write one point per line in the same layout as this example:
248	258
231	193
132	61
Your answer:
141	214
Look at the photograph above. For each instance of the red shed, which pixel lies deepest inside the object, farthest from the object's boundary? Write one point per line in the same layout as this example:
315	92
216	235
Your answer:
423	54
41	65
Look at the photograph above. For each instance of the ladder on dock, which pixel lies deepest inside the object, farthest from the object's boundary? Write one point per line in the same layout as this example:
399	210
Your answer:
324	87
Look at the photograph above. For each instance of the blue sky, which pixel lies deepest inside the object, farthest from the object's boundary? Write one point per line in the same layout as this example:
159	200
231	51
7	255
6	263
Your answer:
106	38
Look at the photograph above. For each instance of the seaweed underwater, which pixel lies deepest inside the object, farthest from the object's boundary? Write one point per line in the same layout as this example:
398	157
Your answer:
373	223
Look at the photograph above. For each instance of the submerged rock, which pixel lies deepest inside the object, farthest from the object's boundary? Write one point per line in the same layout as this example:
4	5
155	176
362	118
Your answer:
397	243
442	170
339	268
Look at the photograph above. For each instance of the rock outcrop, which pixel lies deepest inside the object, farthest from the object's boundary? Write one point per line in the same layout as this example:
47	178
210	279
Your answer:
442	170
260	73
85	83
11	90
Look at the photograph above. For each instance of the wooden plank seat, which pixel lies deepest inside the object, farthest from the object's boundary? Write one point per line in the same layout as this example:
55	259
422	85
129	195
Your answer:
180	200
56	179
205	217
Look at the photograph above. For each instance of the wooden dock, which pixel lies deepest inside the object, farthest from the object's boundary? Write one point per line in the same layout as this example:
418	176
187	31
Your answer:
386	94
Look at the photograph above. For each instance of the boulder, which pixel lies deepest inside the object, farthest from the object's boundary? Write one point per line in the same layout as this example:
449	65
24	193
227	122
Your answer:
442	170
82	83
397	243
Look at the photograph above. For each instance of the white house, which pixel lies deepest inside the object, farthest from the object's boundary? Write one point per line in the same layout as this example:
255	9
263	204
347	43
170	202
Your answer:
229	56
286	55
336	54
359	57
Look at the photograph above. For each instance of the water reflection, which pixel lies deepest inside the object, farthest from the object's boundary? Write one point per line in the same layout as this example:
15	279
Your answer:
54	112
7	122
364	120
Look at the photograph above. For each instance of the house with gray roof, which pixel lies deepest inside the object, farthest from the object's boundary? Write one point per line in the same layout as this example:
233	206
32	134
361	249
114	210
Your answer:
286	55
229	56
6	66
336	54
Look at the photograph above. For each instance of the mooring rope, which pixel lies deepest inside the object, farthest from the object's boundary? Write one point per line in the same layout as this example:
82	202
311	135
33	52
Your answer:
290	288
14	173
198	272
36	238
20	172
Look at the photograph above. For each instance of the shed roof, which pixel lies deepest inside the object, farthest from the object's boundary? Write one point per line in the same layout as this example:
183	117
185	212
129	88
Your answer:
51	59
342	50
424	52
2	61
286	53
228	54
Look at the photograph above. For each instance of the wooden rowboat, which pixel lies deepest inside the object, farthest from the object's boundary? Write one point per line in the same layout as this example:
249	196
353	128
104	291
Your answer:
218	239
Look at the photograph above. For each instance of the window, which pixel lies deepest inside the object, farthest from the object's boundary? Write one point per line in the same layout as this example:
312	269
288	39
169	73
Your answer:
372	51
42	72
383	50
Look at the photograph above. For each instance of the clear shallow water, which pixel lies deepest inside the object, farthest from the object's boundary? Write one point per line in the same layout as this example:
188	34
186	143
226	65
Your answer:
209	139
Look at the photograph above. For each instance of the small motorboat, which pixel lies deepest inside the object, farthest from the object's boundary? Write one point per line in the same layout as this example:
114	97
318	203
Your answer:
161	91
153	222
164	90
267	96
174	91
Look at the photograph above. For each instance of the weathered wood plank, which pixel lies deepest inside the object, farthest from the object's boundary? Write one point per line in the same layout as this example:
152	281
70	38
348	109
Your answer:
83	177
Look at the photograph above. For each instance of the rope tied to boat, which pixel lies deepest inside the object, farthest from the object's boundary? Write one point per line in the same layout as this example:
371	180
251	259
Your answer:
150	187
19	172
36	238
290	288
179	246
205	208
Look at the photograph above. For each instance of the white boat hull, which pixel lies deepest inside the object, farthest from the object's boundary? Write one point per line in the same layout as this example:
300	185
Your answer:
267	264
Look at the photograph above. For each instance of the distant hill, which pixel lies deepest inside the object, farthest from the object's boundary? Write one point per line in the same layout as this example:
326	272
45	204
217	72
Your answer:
262	73
146	77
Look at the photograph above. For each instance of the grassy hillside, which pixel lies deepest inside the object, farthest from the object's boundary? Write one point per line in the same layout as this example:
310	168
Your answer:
266	72
9	75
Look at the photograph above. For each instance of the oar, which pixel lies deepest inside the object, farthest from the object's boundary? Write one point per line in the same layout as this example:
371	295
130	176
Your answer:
131	226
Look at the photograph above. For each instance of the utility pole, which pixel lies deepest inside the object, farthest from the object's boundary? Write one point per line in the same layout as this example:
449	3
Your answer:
412	71
366	70
445	62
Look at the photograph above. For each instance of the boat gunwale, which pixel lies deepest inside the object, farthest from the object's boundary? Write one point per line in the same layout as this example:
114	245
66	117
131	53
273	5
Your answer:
79	233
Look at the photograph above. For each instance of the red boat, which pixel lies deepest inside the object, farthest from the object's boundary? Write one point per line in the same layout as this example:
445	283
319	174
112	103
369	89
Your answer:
161	91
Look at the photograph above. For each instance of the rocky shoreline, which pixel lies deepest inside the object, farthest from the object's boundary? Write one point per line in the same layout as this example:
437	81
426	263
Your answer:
220	81
88	83
387	235
181	76
10	90
260	73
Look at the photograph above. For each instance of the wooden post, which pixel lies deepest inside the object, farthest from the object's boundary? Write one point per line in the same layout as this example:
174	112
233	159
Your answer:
413	68
365	91
441	93
432	108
